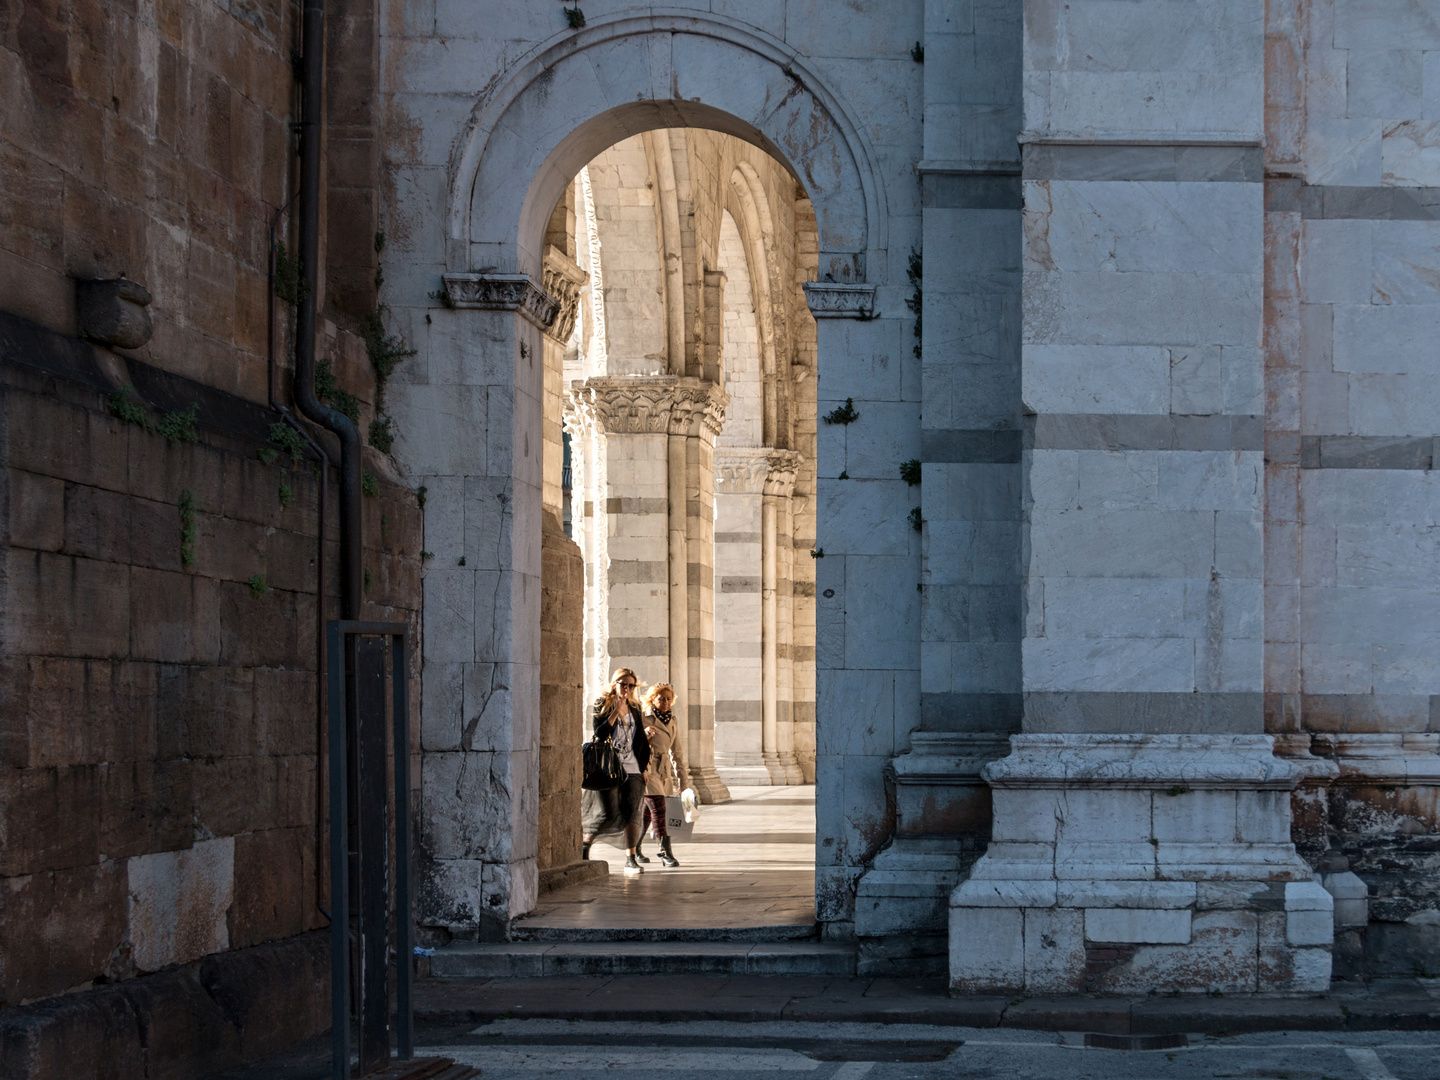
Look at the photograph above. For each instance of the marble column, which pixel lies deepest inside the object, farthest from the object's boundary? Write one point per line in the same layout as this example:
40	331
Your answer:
647	471
779	625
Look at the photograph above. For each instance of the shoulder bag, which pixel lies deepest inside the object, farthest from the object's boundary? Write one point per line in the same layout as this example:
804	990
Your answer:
602	768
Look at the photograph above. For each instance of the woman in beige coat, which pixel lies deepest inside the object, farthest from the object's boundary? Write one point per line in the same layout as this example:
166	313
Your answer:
668	773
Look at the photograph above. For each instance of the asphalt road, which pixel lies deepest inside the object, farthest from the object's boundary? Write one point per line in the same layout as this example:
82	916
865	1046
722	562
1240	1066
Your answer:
561	1049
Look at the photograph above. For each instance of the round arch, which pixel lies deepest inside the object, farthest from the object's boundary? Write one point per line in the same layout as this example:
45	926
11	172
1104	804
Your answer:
580	92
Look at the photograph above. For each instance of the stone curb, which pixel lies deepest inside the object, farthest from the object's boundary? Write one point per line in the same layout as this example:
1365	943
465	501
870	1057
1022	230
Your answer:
696	998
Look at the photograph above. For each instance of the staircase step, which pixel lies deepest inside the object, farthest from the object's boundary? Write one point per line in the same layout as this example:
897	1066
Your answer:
532	959
523	931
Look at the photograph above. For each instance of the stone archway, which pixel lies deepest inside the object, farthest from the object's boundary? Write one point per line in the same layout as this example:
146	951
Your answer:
477	427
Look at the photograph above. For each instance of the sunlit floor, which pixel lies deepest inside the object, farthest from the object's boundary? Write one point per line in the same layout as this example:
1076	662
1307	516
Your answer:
750	862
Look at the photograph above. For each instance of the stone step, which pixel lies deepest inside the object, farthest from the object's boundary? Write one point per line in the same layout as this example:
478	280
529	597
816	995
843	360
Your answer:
532	959
522	931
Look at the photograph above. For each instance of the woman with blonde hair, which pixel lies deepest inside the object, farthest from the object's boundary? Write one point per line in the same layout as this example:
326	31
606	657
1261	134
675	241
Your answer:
668	773
616	716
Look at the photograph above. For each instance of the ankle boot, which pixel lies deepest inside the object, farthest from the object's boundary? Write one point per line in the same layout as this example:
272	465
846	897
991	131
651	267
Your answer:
640	855
667	857
584	851
631	866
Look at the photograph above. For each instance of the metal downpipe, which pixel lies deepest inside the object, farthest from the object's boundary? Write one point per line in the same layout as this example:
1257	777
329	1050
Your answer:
312	119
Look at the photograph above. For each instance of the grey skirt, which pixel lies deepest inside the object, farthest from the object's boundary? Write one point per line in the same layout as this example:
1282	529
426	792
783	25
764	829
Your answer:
610	811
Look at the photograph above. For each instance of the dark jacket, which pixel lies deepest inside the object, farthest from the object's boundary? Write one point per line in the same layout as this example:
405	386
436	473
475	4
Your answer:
603	728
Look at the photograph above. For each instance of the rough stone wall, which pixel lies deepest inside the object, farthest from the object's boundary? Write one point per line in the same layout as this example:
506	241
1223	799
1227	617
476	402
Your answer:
158	768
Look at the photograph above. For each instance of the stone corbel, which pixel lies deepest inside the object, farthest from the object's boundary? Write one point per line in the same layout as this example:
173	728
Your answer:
698	409
840	300
503	292
563	280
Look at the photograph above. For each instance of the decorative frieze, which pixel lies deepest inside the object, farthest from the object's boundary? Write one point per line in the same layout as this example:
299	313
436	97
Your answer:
650	404
563	280
503	292
840	300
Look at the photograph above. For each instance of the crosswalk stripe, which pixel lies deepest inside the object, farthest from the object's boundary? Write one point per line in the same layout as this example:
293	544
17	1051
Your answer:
1370	1065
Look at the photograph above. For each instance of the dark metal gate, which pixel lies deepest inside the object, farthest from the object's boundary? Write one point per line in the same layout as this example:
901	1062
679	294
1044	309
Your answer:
367	798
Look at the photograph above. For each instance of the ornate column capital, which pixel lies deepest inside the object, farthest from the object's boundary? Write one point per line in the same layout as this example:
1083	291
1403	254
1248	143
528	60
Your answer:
503	292
578	415
754	470
741	470
651	404
784	464
563	280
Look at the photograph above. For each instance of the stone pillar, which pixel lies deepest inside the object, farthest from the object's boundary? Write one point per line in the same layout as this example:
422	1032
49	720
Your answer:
776	549
1141	834
697	414
658	434
590	528
739	710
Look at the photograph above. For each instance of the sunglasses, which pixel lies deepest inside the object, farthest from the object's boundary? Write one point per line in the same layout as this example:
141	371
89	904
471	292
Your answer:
627	685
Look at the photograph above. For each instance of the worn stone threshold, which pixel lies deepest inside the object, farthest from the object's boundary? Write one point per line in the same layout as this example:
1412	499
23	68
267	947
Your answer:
1399	1004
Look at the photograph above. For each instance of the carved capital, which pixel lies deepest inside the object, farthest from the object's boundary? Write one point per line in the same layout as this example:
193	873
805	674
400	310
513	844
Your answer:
780	480
741	470
579	413
653	404
503	292
837	300
563	280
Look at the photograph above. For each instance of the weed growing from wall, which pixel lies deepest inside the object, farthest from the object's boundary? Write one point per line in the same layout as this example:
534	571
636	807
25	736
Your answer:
574	17
288	440
123	409
843	414
287	281
368	484
385	351
421	495
285	494
916	521
327	389
910	471
179	426
916	272
187	528
258	588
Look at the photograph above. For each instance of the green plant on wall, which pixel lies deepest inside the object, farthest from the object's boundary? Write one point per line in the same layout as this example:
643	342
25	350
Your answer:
187	528
842	414
910	471
258	588
287	281
122	408
285	494
385	352
179	426
916	272
368	484
327	389
288	440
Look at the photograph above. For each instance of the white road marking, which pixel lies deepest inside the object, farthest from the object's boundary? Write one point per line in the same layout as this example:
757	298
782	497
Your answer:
1370	1065
853	1070
588	1059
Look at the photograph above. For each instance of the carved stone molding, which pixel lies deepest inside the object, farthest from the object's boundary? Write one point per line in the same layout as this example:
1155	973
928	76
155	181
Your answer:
579	415
504	292
563	280
652	404
740	470
840	300
784	464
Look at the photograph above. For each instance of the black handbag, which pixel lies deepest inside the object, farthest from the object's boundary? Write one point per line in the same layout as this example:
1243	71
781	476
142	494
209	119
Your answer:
603	770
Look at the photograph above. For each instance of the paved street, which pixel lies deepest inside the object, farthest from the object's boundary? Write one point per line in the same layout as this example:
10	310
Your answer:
750	862
525	1048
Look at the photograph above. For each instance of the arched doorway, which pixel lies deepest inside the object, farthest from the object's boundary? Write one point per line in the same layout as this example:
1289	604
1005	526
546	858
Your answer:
480	423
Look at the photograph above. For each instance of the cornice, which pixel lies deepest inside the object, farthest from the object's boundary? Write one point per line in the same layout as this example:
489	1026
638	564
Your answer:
840	300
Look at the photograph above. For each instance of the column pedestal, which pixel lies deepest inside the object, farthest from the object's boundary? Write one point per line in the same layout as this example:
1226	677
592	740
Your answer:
1130	863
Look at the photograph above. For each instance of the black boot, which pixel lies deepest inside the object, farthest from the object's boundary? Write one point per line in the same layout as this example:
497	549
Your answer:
584	851
640	855
631	866
667	857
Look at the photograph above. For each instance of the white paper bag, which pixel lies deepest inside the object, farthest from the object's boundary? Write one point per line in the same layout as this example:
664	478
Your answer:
677	824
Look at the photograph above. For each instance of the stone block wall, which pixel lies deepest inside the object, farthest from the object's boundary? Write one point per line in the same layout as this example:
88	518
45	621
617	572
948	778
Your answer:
159	743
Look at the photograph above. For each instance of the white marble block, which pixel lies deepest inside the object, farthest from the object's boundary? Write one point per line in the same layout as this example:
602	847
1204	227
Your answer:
1140	862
